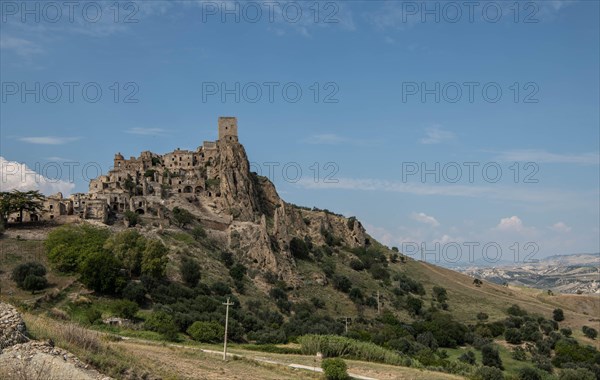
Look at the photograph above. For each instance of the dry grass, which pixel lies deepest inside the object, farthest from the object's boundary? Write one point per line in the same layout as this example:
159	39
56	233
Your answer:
22	369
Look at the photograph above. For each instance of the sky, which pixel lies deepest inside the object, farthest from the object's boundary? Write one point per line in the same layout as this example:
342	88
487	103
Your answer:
456	131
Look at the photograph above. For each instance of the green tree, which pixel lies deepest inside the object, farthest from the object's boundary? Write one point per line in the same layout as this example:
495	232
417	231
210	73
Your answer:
162	323
529	373
488	373
558	315
206	331
513	336
198	233
190	271
335	369
135	291
490	357
182	217
69	246
589	332
481	316
576	374
342	283
440	294
128	246
21	271
125	309
237	272
132	217
33	283
21	201
100	272
154	259
468	357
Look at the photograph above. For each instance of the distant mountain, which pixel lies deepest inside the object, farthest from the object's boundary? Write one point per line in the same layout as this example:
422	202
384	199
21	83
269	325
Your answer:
575	273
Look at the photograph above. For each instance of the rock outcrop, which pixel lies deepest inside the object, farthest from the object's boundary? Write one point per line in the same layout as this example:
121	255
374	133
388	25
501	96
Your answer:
22	358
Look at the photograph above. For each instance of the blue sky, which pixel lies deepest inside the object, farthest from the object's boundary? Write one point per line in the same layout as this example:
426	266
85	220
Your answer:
388	88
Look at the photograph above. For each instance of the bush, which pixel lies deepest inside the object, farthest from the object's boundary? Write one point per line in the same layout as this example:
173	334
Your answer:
162	323
468	357
33	283
198	233
334	346
518	353
30	276
190	272
342	283
92	315
576	374
132	217
440	294
357	265
589	332
356	295
125	309
490	357
226	258
516	311
481	316
488	373
237	272
209	332
335	369
182	217
566	331
154	259
100	272
299	249
558	315
135	291
69	246
513	336
529	373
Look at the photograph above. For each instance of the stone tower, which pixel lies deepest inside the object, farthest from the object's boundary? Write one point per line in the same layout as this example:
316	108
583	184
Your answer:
228	129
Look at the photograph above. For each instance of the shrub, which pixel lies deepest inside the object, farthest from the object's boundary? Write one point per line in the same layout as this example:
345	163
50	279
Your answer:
440	294
128	247
92	315
336	346
328	267
468	357
529	373
558	315
515	310
576	374
30	276
132	217
69	246
227	258
299	249
100	272
190	271
154	259
414	305
33	283
125	309
342	283
198	233
335	369
488	373
237	272
220	288
135	291
182	217
206	331
356	295
357	264
162	323
566	331
518	353
589	332
490	357
481	316
513	336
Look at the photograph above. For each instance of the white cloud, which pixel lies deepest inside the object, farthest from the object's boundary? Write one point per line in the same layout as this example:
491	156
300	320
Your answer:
146	131
436	135
421	217
514	223
542	156
560	227
20	46
326	139
17	176
48	140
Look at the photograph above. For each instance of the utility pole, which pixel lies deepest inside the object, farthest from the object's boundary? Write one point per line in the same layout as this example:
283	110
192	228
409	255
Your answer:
378	304
346	320
227	304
